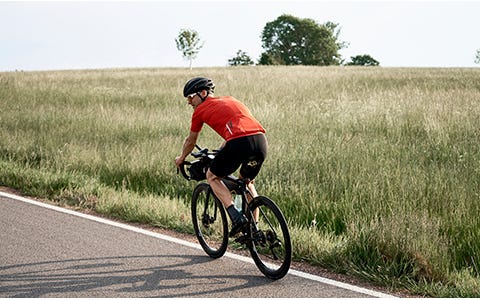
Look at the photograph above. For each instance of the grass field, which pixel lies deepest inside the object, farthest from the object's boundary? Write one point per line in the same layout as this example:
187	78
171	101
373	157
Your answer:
376	169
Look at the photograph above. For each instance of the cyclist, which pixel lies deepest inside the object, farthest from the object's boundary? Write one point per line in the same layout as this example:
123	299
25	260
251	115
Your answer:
245	144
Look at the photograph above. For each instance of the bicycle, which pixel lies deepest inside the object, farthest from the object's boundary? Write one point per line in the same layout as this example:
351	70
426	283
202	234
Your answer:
266	235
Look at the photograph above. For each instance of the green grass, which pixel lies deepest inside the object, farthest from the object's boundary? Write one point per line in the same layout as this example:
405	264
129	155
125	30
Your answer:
376	169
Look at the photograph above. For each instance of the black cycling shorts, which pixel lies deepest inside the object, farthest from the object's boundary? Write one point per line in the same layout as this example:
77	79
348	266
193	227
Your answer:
249	152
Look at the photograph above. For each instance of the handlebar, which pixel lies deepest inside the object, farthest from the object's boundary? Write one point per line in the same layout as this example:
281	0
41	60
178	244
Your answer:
183	171
204	158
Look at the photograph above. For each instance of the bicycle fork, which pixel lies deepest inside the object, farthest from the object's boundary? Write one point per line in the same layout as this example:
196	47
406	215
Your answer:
206	218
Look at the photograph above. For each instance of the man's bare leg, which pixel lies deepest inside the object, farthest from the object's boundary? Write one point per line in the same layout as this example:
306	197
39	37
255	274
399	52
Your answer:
222	192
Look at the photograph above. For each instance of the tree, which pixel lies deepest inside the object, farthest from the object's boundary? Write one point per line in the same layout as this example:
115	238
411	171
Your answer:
477	57
289	40
188	42
363	60
242	59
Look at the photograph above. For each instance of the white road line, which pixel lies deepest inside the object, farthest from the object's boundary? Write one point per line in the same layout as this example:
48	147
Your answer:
316	278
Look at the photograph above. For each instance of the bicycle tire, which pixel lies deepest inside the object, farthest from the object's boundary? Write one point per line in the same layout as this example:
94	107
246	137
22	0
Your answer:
271	247
209	221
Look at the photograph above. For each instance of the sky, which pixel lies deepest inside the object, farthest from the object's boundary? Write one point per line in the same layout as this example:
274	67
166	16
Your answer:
58	35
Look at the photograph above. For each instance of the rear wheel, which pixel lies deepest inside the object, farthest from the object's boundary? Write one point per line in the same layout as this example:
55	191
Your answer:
270	248
209	221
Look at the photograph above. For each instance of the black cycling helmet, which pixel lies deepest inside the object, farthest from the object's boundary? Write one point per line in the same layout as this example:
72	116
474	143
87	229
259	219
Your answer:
198	84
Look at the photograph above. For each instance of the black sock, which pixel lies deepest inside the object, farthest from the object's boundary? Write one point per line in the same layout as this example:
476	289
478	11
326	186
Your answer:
233	213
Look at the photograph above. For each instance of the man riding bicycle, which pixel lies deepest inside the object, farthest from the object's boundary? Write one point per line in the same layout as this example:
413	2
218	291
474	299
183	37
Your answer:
245	144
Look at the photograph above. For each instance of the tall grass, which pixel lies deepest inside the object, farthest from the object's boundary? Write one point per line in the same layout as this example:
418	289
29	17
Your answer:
376	169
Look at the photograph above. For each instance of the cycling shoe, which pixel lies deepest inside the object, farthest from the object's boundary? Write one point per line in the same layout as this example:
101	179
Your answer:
238	225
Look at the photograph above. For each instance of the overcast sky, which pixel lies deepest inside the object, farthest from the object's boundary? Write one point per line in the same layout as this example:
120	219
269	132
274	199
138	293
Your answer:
41	35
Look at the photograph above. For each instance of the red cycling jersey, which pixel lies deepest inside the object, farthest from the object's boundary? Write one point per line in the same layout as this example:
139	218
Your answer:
227	116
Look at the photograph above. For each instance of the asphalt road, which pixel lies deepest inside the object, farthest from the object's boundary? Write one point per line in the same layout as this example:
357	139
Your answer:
46	252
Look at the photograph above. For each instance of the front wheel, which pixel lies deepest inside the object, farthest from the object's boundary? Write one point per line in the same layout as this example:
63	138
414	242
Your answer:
271	248
209	221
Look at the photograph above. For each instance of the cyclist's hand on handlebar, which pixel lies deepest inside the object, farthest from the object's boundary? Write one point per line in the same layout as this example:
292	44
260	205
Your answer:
181	167
179	161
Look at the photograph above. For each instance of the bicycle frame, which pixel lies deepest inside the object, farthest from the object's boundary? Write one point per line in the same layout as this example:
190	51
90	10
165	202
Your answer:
208	221
239	186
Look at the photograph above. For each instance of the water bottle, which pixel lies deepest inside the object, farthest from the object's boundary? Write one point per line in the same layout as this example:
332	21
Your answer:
237	201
